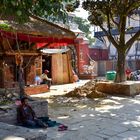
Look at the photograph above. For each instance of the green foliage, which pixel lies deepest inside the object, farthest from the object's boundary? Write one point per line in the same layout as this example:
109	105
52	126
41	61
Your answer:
4	26
70	7
84	26
21	9
91	39
106	10
108	14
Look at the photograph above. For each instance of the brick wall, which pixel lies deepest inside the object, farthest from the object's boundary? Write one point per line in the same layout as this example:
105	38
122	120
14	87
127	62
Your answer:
8	72
36	89
98	54
110	65
1	73
138	64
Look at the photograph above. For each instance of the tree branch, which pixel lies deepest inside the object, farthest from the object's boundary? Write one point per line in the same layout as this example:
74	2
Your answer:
109	36
113	20
108	23
133	6
122	29
132	40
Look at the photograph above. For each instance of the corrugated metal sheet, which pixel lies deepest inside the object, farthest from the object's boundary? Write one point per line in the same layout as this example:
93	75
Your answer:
54	51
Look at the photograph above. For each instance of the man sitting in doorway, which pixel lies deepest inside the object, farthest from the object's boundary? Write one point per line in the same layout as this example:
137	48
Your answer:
46	79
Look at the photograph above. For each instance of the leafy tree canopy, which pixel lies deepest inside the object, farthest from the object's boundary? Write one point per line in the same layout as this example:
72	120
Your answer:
22	9
112	12
84	26
108	14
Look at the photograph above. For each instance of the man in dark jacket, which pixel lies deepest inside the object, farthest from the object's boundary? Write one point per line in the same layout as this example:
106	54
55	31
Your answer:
26	115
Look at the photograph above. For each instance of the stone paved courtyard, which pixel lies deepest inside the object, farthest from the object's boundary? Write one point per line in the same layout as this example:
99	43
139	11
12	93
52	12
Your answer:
111	118
114	118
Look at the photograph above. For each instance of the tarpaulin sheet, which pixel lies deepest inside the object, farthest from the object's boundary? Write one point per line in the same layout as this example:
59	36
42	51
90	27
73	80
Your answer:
35	39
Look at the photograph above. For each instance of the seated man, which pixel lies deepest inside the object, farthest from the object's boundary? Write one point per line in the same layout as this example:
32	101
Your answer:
45	79
26	115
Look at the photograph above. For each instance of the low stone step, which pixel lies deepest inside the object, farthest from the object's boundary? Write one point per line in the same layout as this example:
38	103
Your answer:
36	89
128	88
8	113
12	132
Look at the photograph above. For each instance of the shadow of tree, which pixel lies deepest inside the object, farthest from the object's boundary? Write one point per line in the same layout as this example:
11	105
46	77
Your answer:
110	118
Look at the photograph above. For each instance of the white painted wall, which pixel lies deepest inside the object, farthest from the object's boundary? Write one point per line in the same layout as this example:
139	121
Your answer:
134	21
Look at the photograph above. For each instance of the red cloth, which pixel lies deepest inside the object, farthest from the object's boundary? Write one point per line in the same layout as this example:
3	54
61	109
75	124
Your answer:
46	71
33	38
128	71
52	45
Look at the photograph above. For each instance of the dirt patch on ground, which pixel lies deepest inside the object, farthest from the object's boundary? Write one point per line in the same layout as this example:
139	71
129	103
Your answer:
88	90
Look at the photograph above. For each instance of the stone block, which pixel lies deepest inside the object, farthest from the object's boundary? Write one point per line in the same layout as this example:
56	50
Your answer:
36	89
128	88
8	113
87	76
12	132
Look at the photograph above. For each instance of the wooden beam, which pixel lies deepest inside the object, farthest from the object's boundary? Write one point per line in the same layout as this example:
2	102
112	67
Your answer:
22	53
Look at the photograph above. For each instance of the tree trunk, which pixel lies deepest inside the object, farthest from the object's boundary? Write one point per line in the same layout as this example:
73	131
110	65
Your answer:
120	77
21	82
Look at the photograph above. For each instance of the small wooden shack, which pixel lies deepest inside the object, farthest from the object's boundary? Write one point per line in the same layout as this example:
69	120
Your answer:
21	39
58	62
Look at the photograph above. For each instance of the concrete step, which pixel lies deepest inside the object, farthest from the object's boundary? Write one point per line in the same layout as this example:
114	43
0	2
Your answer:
12	132
127	88
8	113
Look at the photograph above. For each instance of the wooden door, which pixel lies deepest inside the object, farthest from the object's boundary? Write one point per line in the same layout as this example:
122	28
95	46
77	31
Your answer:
66	78
57	69
61	69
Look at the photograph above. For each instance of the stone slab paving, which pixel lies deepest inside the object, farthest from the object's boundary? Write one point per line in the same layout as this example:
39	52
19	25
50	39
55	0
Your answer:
11	132
114	118
61	89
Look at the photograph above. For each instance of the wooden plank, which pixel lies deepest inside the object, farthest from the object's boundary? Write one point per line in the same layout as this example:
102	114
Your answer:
37	89
57	69
6	44
22	53
38	64
70	67
30	75
61	69
65	69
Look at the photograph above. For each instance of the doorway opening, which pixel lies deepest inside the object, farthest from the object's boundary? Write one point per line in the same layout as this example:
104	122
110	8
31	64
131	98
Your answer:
47	65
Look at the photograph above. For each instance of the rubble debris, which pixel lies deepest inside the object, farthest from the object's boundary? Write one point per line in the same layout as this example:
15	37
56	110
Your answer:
7	96
88	90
